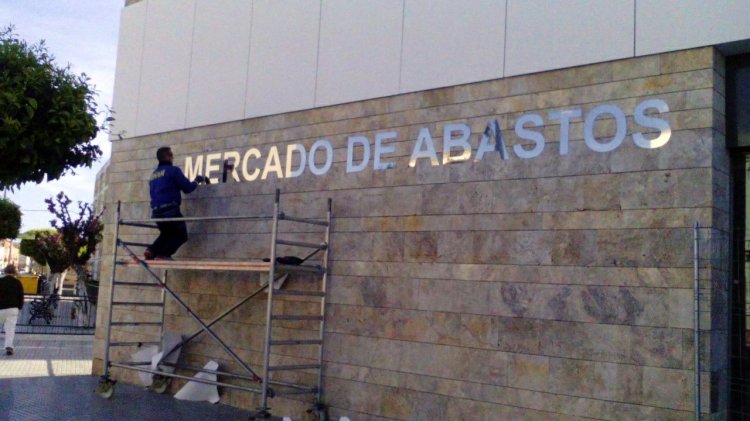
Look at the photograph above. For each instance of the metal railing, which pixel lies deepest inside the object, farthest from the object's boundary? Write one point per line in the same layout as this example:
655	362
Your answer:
61	315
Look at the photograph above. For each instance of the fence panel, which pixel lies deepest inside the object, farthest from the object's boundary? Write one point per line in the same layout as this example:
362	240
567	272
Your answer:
64	315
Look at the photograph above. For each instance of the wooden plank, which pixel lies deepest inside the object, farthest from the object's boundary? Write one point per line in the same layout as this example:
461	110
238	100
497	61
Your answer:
251	266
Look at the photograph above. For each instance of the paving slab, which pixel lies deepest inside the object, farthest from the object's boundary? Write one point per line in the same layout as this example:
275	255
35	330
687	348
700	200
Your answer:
49	378
47	356
62	398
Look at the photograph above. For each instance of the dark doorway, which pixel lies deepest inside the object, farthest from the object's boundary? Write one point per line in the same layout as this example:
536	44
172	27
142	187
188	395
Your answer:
738	139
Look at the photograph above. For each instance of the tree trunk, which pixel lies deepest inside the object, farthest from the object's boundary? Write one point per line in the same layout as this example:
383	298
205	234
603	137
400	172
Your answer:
55	282
81	280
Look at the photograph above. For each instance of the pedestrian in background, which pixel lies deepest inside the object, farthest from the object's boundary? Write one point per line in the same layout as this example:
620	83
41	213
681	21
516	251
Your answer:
11	303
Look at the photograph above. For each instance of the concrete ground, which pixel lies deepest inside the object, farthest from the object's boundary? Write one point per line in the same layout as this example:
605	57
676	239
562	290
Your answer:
49	378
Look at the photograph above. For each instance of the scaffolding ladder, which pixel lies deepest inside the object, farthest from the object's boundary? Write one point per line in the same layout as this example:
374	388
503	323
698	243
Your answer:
262	383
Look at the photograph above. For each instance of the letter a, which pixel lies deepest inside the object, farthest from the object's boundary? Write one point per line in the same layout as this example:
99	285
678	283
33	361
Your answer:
425	138
492	131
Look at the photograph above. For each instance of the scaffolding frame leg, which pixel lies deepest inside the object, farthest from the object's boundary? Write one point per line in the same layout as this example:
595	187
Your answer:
108	337
269	307
324	288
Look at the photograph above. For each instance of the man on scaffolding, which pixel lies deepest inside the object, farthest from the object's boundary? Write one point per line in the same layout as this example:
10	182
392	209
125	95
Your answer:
165	185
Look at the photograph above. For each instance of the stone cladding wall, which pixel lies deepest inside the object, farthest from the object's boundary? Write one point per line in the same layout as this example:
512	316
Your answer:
558	287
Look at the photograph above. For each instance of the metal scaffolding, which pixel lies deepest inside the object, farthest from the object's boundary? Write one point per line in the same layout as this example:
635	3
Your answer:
259	383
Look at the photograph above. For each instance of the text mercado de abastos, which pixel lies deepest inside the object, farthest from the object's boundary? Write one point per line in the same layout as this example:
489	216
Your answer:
650	132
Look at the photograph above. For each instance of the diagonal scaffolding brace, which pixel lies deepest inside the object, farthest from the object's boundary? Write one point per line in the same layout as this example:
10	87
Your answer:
226	313
204	326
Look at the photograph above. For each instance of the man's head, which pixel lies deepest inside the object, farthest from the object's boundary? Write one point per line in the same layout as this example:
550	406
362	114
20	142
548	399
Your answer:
10	269
164	154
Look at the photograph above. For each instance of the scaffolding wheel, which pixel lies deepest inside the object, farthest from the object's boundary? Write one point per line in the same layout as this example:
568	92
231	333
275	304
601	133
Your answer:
319	411
106	388
264	415
160	384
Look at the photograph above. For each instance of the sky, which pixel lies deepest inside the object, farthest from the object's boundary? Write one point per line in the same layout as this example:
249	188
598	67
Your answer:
82	33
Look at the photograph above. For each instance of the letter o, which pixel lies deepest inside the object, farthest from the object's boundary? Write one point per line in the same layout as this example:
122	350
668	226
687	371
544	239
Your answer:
588	128
322	143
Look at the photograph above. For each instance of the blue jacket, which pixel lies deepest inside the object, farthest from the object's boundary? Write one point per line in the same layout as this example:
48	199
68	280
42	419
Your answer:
165	185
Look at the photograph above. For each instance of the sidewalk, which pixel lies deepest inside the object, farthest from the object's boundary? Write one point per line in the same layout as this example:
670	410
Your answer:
49	378
48	356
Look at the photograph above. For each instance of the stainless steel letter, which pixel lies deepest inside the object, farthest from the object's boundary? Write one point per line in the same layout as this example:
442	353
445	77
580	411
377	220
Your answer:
351	142
653	123
191	171
588	128
525	134
210	167
235	157
380	149
565	117
492	130
273	164
302	158
251	153
424	138
322	143
449	142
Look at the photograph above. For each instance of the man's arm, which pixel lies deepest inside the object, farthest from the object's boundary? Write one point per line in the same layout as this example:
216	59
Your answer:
185	185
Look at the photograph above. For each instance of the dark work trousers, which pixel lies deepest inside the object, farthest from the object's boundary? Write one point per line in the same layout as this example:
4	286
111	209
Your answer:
172	234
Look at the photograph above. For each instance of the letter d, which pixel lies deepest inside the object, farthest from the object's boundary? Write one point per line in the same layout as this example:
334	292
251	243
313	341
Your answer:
351	143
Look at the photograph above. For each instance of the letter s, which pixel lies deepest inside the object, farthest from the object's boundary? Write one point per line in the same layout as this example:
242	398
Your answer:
526	134
639	114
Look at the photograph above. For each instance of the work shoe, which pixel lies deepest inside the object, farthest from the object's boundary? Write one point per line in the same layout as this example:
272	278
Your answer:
148	255
8	351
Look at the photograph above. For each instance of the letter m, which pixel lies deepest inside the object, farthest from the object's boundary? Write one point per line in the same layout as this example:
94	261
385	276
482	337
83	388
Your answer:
191	171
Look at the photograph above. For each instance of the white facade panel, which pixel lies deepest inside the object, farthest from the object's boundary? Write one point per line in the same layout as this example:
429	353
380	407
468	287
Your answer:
128	71
360	50
166	66
448	42
221	42
283	57
668	25
544	35
185	63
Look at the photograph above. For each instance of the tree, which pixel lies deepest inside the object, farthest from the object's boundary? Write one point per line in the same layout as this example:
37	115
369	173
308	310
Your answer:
30	245
75	240
47	115
54	251
10	219
80	235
